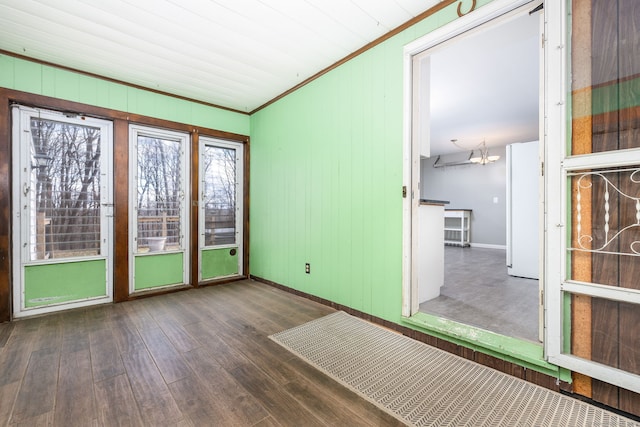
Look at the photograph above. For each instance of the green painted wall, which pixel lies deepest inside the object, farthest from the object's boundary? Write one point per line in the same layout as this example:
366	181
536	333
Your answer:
218	263
326	189
326	181
151	271
41	79
56	283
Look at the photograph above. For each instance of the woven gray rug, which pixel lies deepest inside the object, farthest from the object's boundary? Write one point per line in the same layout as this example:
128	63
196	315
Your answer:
424	386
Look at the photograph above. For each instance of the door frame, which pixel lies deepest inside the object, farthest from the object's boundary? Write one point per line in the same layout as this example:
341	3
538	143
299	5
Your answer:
239	147
415	138
121	120
136	130
20	225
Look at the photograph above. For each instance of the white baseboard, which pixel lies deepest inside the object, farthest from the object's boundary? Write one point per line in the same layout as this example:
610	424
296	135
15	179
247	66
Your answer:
488	246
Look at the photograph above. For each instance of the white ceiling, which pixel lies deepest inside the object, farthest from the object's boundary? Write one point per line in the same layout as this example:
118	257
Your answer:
485	86
238	54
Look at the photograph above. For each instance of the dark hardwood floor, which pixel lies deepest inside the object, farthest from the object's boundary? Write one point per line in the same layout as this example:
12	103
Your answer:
196	358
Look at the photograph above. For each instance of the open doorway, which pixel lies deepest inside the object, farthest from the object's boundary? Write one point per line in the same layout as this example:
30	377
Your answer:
482	90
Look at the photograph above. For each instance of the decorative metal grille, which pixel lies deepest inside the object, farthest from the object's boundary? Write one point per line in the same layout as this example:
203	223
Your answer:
614	212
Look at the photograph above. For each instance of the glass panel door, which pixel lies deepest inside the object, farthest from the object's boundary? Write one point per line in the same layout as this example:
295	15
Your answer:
63	210
159	223
594	317
221	209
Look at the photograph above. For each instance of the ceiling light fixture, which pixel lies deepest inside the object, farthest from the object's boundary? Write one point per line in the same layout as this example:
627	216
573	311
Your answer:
484	156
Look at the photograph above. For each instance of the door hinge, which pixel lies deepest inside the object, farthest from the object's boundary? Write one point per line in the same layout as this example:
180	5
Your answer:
404	191
541	296
536	9
541	168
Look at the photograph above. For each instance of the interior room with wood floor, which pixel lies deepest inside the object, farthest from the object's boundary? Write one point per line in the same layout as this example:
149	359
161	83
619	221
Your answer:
191	358
370	213
200	357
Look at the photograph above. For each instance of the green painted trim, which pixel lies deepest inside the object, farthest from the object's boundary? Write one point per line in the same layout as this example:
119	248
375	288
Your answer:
218	263
522	353
152	271
566	322
47	284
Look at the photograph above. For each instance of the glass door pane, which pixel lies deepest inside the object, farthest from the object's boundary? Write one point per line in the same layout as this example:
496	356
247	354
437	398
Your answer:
160	195
219	195
65	201
604	254
605	68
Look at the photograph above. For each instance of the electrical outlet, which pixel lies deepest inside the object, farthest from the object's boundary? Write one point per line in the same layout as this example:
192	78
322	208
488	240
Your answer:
307	268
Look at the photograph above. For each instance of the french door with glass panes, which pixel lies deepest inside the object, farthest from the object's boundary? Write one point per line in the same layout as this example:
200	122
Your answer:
62	211
221	209
159	220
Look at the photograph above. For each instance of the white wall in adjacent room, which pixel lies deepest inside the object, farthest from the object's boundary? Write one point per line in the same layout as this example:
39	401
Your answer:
476	187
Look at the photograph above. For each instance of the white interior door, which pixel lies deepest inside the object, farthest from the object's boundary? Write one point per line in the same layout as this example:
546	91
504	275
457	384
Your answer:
62	211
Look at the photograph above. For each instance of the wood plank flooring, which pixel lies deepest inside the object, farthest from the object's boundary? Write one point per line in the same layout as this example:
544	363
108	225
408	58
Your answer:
196	358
